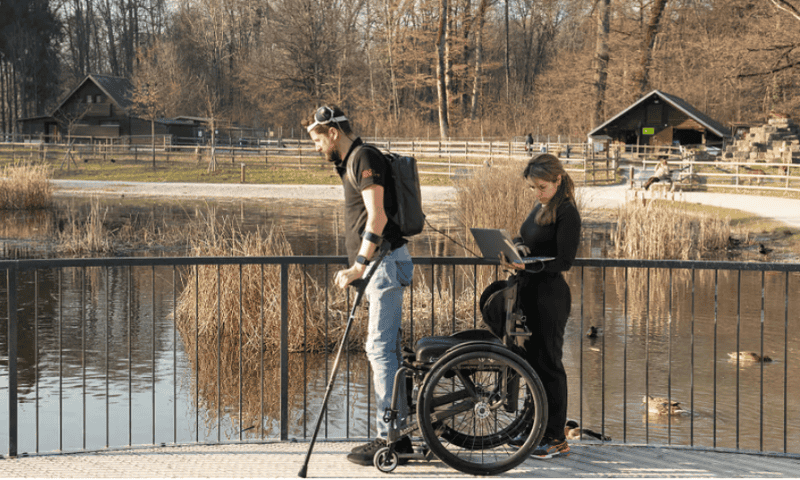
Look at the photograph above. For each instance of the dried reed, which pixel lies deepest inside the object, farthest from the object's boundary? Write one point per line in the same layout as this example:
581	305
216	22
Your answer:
230	301
655	230
81	236
26	187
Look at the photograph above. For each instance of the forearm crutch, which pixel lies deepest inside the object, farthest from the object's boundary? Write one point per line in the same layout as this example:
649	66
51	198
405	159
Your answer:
361	285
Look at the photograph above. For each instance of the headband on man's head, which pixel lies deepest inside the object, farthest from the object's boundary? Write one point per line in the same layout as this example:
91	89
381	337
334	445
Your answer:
323	116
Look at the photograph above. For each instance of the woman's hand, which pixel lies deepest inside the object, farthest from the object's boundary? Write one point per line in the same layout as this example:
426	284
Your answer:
508	265
523	249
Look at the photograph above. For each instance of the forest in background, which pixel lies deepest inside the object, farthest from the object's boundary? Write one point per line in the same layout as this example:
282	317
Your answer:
407	68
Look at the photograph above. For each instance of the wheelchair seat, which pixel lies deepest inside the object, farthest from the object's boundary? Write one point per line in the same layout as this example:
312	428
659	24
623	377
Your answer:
430	349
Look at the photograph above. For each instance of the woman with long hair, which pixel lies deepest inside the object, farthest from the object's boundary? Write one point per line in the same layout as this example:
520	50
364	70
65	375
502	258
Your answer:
552	229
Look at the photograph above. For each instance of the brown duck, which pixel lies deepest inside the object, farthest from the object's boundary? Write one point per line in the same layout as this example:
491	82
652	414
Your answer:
662	406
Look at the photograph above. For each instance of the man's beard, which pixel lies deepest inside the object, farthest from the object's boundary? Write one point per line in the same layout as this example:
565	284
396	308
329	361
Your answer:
333	156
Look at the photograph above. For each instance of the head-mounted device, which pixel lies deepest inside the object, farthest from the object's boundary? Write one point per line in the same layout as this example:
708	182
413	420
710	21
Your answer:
323	116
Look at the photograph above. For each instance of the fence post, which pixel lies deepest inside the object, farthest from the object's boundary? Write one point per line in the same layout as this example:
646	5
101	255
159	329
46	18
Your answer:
11	283
284	351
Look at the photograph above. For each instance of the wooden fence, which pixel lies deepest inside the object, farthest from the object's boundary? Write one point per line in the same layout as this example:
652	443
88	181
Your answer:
444	158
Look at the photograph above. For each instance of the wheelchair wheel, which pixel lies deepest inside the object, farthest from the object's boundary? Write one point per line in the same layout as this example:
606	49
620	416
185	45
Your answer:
475	400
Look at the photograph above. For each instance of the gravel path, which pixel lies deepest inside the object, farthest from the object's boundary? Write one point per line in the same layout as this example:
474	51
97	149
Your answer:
783	209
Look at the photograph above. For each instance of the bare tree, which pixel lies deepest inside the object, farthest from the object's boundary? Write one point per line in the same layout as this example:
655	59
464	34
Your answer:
642	74
601	61
477	80
441	65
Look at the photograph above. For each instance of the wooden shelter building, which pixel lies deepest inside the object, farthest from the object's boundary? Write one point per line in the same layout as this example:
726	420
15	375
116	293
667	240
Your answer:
100	108
659	118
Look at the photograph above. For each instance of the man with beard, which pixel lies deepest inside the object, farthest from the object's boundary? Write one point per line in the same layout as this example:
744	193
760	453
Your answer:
369	203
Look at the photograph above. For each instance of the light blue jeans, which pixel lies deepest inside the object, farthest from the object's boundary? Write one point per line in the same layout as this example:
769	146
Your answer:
384	339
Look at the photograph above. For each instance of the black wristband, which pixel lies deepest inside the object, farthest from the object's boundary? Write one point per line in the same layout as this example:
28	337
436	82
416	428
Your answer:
361	259
372	238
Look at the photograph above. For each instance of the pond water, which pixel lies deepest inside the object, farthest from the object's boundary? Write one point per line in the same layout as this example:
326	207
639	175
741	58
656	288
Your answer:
114	370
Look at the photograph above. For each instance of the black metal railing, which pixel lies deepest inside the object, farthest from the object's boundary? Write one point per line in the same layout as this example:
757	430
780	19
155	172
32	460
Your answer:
105	366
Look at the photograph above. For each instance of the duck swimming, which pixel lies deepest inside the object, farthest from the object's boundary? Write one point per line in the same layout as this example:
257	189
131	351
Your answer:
748	357
592	332
573	432
662	406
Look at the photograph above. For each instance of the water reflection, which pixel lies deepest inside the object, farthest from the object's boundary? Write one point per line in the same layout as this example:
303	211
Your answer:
100	359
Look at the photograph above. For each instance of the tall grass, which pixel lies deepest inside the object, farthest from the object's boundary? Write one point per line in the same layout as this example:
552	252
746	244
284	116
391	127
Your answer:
26	187
85	235
225	303
656	230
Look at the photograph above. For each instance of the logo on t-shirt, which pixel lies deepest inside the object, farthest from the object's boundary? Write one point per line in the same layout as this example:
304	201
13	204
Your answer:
366	173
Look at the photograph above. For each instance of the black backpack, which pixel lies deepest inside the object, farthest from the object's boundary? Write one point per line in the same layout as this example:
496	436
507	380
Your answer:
408	195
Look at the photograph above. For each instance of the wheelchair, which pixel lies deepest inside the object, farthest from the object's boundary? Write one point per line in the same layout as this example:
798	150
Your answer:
469	395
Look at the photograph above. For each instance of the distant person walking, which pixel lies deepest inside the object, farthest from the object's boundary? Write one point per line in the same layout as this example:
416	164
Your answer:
529	144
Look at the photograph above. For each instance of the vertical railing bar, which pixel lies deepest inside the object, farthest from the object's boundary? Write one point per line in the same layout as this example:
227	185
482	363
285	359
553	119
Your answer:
197	353
261	364
36	348
174	356
669	359
241	366
347	393
603	354
580	345
474	296
786	360
433	296
453	299
284	351
108	372
625	362
13	432
60	360
219	353
327	339
761	370
153	352
691	373
738	349
130	357
716	313
411	308
647	356
83	354
305	350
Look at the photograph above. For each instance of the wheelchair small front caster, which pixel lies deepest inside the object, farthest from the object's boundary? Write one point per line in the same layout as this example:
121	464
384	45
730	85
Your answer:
386	461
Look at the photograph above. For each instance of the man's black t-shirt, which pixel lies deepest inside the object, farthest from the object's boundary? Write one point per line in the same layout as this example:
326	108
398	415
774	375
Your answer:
371	168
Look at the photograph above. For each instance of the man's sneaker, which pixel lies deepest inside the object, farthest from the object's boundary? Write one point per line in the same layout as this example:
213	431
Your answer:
550	449
364	454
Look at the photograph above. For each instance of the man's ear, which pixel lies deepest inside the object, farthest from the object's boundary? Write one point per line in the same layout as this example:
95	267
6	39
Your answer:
334	134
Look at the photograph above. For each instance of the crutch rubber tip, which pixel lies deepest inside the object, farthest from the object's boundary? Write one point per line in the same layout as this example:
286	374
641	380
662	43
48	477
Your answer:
302	472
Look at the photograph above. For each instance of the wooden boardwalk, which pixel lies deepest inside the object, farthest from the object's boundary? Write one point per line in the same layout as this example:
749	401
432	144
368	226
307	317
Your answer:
283	460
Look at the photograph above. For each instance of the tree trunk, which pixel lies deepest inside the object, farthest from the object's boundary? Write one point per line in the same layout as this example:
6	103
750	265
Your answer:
601	62
508	63
642	77
392	77
476	84
444	127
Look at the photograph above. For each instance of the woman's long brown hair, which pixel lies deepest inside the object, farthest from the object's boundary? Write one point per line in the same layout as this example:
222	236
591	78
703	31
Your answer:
548	167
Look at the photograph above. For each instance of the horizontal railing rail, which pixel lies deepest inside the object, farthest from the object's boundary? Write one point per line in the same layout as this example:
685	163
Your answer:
97	337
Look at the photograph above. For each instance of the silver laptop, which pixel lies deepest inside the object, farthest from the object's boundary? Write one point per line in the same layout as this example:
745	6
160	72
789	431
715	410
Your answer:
493	242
